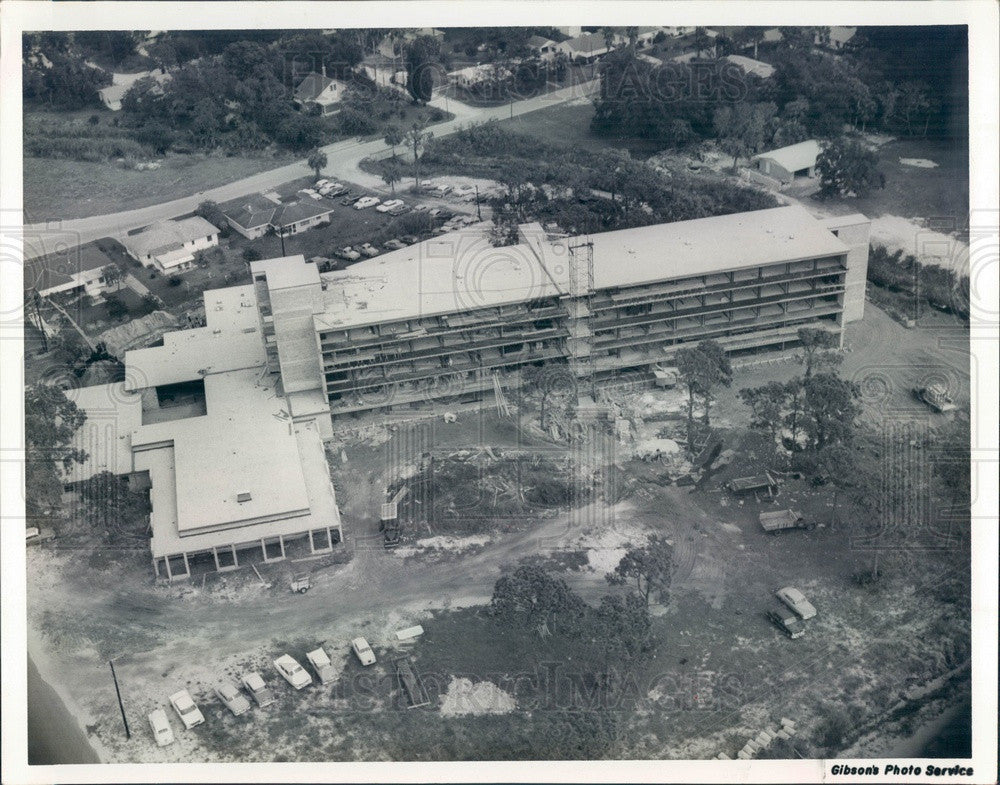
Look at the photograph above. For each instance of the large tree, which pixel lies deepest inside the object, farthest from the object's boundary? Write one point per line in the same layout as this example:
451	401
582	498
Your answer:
767	405
50	422
649	568
422	64
417	138
316	161
846	168
830	409
744	128
702	369
111	505
532	598
817	349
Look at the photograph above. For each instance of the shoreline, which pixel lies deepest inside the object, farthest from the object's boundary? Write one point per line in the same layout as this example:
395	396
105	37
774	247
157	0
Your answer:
62	721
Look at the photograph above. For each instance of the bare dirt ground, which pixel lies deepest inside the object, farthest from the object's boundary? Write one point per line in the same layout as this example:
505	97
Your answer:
718	673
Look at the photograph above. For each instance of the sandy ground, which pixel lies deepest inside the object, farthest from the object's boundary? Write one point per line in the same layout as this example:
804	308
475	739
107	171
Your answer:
167	637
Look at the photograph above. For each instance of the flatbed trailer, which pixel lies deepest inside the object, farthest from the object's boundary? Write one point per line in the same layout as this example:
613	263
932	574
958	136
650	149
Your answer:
411	685
780	520
756	484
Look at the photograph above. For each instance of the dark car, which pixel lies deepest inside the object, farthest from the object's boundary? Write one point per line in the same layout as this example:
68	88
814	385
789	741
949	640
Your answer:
349	200
787	623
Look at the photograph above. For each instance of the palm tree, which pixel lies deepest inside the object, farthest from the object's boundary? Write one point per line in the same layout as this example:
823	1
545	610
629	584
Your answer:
316	160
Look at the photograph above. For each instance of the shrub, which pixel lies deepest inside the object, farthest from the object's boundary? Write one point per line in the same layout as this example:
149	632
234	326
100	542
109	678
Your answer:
832	729
175	281
251	254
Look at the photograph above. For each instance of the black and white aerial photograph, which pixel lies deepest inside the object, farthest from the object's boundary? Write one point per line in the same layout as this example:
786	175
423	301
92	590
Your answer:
613	394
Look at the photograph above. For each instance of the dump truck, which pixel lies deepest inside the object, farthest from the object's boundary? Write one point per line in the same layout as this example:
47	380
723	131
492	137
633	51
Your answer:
936	397
780	520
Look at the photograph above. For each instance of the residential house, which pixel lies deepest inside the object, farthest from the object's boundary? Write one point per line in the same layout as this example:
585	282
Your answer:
787	163
257	215
394	43
751	66
543	47
585	48
319	93
78	270
170	246
475	76
835	37
111	96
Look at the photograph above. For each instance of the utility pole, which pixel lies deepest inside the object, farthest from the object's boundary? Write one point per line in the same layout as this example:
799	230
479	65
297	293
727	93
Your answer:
281	236
128	733
479	212
37	298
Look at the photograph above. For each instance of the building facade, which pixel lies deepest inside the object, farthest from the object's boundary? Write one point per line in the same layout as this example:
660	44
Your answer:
416	325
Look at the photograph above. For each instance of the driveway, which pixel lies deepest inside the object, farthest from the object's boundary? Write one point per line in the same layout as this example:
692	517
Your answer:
343	156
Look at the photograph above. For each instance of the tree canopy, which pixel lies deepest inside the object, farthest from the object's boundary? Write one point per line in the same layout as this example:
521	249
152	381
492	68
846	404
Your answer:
50	422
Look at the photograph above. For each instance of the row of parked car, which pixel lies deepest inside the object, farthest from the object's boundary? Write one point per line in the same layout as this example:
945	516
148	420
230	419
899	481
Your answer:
236	701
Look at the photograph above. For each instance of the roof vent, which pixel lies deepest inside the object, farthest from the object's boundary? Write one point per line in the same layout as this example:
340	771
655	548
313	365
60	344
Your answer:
243	497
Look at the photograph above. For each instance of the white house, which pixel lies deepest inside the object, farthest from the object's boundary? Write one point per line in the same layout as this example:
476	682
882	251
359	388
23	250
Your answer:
170	246
254	216
787	163
751	66
320	93
111	96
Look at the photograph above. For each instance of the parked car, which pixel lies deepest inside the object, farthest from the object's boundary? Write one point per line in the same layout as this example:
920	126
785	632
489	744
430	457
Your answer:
311	193
365	202
160	726
369	250
363	651
441	190
338	190
795	600
349	200
399	209
787	623
292	672
347	253
410	239
186	709
259	691
465	191
388	205
936	397
231	698
322	182
394	245
321	663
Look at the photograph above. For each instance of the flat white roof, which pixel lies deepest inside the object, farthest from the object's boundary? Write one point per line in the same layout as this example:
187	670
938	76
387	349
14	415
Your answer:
243	445
106	436
795	157
462	271
230	340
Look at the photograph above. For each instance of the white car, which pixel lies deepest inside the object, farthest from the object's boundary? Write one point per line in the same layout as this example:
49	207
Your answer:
365	202
292	672
322	183
232	698
387	206
160	726
258	690
369	250
363	651
795	600
189	713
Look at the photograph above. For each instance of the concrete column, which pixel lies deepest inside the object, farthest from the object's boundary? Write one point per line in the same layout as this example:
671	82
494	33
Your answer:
236	562
263	548
187	567
312	545
215	555
281	542
166	561
156	567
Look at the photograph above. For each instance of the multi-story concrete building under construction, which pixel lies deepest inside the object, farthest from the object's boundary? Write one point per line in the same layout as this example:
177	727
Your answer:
225	423
455	317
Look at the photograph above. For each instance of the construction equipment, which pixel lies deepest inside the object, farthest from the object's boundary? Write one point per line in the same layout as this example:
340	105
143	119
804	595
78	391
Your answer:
936	397
301	584
389	520
780	520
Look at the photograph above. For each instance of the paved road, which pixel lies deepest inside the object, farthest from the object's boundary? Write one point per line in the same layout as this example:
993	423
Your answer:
343	157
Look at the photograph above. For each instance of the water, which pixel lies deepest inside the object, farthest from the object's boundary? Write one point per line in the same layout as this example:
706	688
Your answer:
53	735
955	739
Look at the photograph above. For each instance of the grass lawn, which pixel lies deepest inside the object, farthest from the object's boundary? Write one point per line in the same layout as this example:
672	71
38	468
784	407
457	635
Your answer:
916	192
569	125
56	188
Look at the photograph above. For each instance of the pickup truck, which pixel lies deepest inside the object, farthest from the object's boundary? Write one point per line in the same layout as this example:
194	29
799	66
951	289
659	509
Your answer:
936	397
780	520
321	663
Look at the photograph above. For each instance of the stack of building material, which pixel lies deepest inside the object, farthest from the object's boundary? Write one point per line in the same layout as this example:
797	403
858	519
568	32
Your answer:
785	730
